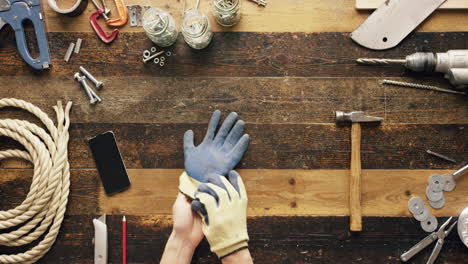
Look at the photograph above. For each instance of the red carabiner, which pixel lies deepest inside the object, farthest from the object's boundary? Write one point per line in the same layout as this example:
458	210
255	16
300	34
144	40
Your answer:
93	19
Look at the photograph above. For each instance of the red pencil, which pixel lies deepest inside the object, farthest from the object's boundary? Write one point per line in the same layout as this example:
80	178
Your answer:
124	240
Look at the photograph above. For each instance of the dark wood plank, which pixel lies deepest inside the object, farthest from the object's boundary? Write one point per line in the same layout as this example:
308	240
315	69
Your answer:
272	240
259	100
230	54
282	146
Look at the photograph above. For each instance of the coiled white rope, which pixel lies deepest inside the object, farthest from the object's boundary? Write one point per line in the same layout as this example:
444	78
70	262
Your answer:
44	207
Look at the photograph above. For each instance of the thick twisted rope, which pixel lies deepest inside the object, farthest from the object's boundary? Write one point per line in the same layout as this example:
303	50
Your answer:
44	207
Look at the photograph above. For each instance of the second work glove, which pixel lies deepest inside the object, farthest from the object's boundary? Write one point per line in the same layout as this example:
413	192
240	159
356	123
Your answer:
224	213
218	154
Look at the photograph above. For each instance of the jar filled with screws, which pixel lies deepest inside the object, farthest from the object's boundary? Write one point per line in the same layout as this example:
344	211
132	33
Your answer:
227	12
160	27
196	29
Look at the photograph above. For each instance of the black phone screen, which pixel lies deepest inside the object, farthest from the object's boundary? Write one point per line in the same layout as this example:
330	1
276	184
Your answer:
109	162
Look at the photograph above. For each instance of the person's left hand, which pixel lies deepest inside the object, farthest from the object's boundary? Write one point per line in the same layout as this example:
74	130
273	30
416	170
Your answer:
187	223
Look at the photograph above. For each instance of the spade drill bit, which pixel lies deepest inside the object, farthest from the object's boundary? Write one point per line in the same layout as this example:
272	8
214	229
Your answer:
454	64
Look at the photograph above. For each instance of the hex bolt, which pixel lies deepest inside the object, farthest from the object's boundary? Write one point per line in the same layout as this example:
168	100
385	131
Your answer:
152	56
91	77
82	81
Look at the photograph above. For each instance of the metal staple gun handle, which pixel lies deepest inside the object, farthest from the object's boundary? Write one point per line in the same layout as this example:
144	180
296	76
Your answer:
14	13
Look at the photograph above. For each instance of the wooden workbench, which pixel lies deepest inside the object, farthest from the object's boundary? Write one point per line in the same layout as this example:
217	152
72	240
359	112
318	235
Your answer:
285	69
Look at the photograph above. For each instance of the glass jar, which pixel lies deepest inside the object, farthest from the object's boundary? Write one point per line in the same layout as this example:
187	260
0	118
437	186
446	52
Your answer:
160	27
227	12
196	29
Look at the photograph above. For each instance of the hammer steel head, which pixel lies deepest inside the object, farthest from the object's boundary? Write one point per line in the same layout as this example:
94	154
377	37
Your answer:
355	117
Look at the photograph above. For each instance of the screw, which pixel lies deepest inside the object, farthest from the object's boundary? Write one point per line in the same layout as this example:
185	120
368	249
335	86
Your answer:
152	56
91	77
421	86
82	80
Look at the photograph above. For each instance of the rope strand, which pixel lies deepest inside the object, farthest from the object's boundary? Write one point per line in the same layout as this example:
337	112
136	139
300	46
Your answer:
44	207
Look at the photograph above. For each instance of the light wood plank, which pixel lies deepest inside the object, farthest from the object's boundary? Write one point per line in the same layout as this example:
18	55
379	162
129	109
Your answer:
373	4
292	193
278	16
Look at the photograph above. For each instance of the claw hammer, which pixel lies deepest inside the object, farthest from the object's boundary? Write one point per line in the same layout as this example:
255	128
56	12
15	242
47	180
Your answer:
356	118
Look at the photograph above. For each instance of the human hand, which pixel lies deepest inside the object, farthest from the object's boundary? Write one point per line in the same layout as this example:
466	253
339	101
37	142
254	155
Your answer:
224	212
218	154
186	233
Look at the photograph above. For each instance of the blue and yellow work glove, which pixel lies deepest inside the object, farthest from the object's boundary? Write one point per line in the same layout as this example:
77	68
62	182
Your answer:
218	154
224	213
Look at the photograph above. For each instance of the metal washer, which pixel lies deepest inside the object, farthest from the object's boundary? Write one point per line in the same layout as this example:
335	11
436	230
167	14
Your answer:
424	215
433	196
430	225
436	182
438	204
416	205
450	182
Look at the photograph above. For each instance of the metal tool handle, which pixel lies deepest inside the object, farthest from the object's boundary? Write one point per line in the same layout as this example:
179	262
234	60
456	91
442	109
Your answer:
435	251
460	171
15	17
418	247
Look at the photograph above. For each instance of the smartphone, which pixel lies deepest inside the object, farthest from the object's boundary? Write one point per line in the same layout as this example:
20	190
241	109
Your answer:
109	162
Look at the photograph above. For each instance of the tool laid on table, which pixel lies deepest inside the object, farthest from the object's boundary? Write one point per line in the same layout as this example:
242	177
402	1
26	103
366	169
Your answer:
421	86
392	22
14	13
440	235
356	118
93	97
73	11
453	63
100	240
93	19
31	228
440	156
421	212
124	240
123	14
147	56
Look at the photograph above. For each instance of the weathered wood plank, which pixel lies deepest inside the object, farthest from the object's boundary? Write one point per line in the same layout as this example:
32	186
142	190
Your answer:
277	146
278	16
449	4
272	240
271	192
268	54
257	100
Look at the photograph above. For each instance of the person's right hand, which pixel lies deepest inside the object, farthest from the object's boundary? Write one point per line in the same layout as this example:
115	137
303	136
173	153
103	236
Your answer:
218	154
224	213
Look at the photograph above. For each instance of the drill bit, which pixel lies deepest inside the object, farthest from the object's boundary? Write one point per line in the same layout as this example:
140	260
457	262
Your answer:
421	86
370	61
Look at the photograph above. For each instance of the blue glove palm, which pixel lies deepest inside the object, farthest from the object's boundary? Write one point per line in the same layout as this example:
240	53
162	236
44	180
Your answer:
219	152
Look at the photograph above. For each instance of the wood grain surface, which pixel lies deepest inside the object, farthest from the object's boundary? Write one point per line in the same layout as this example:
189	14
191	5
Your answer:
277	16
285	69
449	4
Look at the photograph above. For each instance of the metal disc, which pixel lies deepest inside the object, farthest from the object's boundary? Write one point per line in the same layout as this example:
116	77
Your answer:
424	216
450	182
438	204
416	205
436	182
463	226
433	196
430	225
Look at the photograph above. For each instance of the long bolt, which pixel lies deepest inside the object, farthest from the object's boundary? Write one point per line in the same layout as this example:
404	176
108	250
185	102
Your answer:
88	75
421	86
152	56
82	81
440	156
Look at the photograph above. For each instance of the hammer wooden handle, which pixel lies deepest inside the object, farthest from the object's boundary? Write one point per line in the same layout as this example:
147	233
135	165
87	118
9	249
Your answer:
355	179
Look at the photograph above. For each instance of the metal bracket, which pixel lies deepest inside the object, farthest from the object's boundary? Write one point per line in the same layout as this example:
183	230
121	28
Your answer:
134	12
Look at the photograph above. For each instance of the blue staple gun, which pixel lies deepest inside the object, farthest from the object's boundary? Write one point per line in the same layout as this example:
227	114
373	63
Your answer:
15	13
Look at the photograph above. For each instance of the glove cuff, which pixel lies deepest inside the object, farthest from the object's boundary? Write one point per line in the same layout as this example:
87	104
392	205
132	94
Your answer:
188	185
228	250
